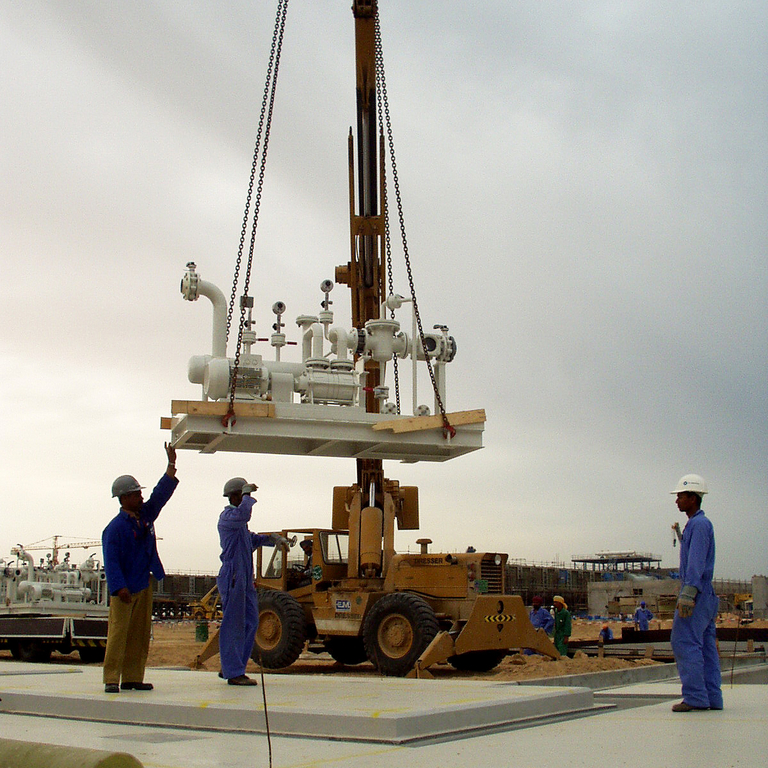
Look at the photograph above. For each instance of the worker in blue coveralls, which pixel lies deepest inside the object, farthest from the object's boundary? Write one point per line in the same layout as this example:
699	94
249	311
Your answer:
642	617
239	603
130	554
693	627
541	618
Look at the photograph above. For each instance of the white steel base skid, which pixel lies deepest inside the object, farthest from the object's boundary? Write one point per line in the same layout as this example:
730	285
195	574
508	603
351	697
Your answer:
321	430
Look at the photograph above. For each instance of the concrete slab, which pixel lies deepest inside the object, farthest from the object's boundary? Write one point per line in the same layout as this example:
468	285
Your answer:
383	710
633	737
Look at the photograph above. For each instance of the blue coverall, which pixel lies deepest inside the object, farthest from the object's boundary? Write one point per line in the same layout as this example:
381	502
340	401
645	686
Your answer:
239	604
642	617
542	618
693	638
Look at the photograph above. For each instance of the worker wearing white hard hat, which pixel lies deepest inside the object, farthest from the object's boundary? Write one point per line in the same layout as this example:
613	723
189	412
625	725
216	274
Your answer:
694	641
130	555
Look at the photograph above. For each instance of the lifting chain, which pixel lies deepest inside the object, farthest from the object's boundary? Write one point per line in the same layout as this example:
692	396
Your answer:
383	103
260	162
388	248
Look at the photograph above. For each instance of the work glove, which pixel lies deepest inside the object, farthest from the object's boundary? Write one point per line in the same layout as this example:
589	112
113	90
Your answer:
280	541
249	488
686	601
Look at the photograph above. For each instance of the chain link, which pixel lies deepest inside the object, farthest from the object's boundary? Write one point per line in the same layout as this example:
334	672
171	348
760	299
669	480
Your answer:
388	245
381	89
260	161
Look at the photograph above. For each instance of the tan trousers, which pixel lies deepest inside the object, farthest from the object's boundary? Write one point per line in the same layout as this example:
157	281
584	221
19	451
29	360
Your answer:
128	638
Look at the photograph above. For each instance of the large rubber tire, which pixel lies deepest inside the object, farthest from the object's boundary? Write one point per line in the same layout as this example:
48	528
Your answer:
282	630
477	661
31	650
91	655
396	631
347	650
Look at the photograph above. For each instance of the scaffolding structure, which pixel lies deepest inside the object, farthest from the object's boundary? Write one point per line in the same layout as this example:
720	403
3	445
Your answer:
618	561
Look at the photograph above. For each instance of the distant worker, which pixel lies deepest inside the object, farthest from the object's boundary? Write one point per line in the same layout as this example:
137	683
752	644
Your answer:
606	633
130	554
306	547
239	603
693	627
642	617
562	625
541	618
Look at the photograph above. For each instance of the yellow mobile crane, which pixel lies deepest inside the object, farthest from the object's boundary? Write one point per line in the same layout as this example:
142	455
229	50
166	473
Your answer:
354	595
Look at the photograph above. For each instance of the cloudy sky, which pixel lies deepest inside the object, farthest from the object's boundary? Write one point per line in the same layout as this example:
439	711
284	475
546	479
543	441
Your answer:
585	189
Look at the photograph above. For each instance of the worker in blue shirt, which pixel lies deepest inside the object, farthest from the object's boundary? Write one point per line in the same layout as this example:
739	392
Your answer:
239	603
541	618
605	634
130	555
642	617
693	627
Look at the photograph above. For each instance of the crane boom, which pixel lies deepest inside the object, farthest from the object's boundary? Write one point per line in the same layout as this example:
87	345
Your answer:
364	274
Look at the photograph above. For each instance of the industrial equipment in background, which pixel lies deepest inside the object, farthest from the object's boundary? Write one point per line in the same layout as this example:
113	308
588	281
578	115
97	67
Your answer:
54	606
208	607
356	597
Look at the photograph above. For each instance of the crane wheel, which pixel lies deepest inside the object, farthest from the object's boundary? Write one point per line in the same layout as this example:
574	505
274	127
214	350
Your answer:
397	629
282	630
346	650
477	661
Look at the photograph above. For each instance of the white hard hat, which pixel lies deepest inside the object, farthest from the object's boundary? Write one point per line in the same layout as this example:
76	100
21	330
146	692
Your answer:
234	485
693	484
125	484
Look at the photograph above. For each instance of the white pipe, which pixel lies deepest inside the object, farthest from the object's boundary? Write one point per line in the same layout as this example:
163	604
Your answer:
31	564
216	297
339	342
312	341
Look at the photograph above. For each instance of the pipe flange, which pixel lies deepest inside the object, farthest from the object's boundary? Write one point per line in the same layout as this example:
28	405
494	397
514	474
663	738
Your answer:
451	353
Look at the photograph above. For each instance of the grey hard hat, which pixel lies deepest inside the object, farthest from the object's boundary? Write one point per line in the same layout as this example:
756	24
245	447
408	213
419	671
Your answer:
234	485
125	484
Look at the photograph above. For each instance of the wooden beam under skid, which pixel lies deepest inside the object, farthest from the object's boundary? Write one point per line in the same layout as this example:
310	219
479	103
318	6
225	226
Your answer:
418	423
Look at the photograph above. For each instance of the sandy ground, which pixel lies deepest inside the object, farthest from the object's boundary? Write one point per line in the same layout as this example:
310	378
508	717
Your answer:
174	644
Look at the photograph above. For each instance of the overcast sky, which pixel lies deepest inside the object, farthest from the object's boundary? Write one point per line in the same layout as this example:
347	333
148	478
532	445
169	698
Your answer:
585	190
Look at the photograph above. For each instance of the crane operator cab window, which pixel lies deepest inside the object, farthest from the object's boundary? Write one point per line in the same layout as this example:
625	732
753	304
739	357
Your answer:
274	566
302	563
335	547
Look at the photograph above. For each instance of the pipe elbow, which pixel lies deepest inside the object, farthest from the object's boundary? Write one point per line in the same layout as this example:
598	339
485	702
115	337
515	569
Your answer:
216	297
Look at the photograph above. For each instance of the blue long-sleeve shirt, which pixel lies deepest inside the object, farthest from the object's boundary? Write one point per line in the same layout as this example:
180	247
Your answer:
129	545
542	618
697	553
237	542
